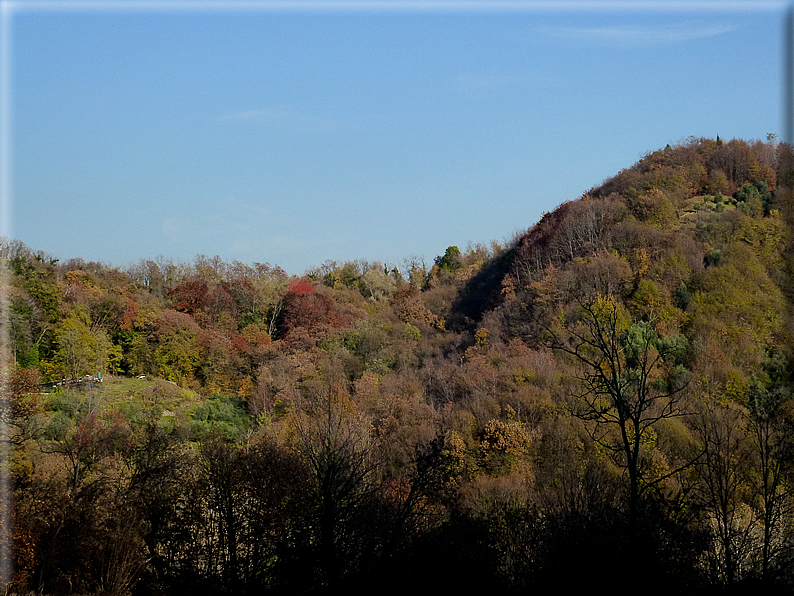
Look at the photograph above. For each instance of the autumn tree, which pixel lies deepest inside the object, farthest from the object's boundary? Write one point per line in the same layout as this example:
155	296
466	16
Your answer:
27	327
736	159
35	274
177	351
86	538
190	296
81	350
304	308
20	406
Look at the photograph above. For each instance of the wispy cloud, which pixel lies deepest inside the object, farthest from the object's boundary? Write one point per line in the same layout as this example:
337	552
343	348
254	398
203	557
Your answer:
174	228
639	35
294	120
486	83
266	247
247	232
252	213
264	115
230	218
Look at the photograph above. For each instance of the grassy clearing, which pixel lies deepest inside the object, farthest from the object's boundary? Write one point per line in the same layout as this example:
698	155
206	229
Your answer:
132	397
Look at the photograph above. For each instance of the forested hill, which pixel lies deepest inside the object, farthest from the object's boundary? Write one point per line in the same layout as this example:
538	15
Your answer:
608	396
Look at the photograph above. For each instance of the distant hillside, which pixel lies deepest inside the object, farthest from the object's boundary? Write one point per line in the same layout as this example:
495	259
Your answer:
688	200
612	391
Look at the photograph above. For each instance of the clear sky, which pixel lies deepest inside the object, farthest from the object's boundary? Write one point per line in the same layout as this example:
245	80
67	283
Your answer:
340	131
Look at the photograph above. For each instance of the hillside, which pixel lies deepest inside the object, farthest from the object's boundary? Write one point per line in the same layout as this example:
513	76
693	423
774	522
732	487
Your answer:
611	391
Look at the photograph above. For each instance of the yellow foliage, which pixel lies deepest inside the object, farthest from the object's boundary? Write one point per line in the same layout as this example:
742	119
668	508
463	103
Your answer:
673	269
654	208
739	296
455	453
509	287
413	310
523	376
643	261
737	386
367	390
245	388
611	313
510	437
481	337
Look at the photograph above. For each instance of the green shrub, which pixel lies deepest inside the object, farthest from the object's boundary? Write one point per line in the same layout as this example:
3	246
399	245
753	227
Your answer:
712	258
221	414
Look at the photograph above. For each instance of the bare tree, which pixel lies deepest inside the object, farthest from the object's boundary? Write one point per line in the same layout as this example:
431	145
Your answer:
769	425
724	480
623	391
334	441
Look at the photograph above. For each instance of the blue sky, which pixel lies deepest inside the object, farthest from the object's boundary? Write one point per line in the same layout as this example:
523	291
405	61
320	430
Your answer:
295	136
